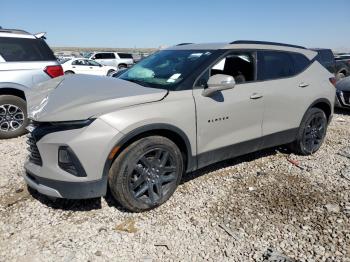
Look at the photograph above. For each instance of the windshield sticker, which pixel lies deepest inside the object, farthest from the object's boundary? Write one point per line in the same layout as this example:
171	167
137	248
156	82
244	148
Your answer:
195	55
173	78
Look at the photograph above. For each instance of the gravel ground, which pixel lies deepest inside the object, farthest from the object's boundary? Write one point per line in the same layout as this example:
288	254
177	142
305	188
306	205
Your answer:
266	206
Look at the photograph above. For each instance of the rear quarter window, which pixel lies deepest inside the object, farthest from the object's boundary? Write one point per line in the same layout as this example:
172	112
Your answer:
325	56
25	50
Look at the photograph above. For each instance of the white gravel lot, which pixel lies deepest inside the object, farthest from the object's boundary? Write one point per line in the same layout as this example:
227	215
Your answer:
259	207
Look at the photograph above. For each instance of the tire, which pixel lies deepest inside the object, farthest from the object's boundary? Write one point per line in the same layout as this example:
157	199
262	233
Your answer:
110	72
13	116
69	72
139	181
121	66
311	133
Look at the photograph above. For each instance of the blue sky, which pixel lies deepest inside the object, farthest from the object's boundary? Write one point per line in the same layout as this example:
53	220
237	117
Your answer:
141	23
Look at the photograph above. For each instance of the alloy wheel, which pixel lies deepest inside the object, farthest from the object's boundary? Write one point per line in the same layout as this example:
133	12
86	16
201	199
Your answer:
11	117
314	133
153	175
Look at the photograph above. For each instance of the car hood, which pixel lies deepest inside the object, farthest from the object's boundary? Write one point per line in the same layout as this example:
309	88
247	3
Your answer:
78	97
344	84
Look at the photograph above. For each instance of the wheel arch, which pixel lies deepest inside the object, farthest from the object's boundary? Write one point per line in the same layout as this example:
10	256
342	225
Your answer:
13	92
169	131
323	104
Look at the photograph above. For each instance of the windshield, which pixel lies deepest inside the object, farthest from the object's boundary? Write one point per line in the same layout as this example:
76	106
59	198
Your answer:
87	55
165	69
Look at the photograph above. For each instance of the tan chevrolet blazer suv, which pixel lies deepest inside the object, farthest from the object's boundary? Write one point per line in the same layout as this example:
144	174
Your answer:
176	111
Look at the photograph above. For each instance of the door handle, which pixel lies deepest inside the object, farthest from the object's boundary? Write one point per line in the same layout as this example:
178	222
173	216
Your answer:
303	84
91	67
73	66
256	96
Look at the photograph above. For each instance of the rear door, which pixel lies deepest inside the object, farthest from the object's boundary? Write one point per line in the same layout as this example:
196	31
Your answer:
280	75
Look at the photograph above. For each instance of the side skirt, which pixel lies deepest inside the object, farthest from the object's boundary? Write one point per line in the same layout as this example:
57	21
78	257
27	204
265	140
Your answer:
217	155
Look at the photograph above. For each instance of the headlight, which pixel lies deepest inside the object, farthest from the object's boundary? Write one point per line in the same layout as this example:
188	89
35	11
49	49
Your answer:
40	129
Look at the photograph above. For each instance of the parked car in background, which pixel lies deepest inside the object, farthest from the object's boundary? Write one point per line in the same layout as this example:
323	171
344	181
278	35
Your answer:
119	73
343	62
87	66
339	68
178	110
25	60
343	93
117	59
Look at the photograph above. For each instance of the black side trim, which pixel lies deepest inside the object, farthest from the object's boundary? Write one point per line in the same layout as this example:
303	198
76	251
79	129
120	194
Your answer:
191	160
265	43
243	148
73	190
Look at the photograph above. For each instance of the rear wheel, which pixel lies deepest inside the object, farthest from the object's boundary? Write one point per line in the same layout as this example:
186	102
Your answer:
13	116
146	173
312	132
69	72
121	66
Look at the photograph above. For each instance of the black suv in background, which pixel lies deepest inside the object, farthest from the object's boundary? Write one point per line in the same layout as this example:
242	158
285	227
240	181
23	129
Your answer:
340	68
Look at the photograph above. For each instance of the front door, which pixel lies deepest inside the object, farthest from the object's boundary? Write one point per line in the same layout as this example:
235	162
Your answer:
229	123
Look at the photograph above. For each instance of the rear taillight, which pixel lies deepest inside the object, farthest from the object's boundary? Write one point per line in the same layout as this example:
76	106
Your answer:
333	81
54	71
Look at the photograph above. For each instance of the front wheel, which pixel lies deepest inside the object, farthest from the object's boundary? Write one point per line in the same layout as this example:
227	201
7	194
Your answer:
110	72
311	133
146	173
13	116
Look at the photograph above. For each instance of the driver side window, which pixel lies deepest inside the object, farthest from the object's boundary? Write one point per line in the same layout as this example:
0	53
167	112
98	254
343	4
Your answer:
239	65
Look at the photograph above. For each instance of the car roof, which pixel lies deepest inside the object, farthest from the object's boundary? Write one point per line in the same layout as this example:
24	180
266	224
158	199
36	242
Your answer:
246	44
16	33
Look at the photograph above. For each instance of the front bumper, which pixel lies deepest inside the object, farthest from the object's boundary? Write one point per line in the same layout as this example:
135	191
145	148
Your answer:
64	189
91	145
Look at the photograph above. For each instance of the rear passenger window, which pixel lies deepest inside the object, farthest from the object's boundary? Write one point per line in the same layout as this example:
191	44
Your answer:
104	56
300	62
274	65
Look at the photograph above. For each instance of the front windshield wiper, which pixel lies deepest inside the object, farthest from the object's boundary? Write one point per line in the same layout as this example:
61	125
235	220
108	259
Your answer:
136	82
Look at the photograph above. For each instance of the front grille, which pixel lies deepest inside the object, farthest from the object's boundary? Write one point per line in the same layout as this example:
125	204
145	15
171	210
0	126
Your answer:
34	154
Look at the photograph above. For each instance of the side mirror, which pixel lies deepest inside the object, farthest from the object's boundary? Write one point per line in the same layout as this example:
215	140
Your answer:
217	83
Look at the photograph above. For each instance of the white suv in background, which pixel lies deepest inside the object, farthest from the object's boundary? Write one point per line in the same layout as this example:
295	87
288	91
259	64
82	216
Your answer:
25	60
120	60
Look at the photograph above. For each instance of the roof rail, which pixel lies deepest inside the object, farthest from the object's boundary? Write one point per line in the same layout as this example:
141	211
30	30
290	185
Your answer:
15	31
184	44
265	43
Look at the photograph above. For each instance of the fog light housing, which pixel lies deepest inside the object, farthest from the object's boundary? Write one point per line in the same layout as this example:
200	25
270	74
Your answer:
69	162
